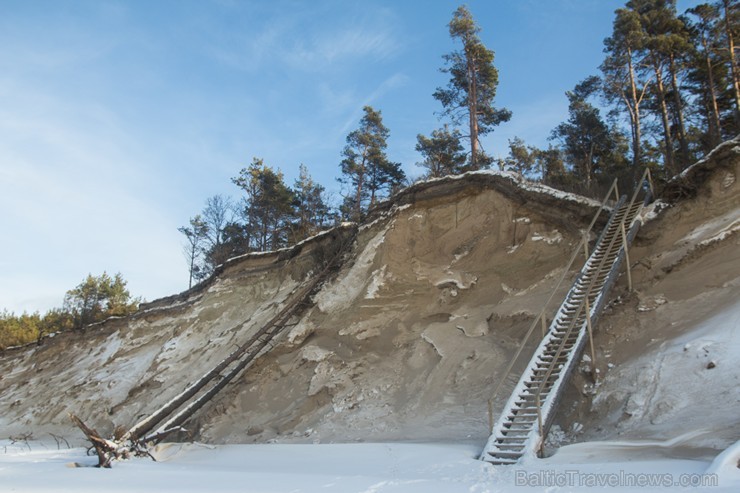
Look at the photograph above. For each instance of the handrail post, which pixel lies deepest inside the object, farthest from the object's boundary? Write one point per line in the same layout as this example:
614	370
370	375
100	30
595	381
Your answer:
591	339
650	181
490	415
539	419
627	257
543	316
571	326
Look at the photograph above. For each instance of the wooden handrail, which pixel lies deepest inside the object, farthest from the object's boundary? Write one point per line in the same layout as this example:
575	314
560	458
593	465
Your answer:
585	300
541	317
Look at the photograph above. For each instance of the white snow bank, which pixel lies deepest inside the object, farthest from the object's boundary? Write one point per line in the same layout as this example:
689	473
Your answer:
343	292
353	468
687	384
523	184
727	464
709	157
254	468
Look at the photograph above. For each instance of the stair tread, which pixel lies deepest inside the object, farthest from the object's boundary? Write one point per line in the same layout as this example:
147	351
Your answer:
502	453
565	331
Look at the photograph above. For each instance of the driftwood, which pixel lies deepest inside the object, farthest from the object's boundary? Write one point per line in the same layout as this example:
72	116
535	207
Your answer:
106	449
109	450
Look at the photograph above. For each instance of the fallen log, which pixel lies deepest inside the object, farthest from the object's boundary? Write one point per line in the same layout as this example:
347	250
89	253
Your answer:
109	450
105	449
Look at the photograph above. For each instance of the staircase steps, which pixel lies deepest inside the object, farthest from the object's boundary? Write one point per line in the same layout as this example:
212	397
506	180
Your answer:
517	432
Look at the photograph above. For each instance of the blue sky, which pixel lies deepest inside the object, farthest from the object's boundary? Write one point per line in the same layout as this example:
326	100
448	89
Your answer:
119	118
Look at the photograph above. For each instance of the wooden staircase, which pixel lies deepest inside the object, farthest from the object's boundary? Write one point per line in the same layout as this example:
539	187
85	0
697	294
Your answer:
182	406
522	427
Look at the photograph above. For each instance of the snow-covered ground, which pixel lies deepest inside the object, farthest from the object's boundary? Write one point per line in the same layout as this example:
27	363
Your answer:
660	389
361	468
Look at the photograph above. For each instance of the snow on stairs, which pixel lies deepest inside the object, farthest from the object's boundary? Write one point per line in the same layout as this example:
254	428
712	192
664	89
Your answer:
528	414
183	405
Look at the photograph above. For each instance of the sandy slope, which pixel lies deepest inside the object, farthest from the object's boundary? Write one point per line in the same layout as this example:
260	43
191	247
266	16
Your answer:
407	340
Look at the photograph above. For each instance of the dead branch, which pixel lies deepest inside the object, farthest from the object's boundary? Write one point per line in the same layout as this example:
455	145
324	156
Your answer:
23	437
59	439
105	449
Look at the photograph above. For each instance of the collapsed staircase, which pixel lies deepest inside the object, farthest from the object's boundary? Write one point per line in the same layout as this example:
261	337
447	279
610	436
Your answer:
527	416
181	407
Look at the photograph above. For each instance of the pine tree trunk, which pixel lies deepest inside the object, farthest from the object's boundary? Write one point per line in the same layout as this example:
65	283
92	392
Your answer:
360	185
634	107
587	166
192	265
473	112
682	141
668	139
715	127
733	62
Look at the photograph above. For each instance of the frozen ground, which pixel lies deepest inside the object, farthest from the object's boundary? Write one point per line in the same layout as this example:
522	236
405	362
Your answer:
362	468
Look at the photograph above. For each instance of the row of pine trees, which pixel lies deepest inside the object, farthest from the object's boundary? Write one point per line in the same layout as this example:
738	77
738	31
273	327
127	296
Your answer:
93	300
272	215
670	86
668	92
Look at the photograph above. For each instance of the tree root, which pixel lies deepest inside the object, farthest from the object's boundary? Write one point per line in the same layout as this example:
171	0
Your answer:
110	450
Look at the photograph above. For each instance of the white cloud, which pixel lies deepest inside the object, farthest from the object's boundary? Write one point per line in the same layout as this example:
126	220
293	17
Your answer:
347	45
317	48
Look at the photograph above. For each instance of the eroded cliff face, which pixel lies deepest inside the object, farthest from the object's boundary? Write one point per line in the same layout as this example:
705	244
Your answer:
112	373
406	340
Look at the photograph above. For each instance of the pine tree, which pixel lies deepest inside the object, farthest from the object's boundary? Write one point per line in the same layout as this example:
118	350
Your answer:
552	167
311	209
443	152
664	44
709	77
97	298
521	159
268	205
366	169
623	83
731	24
703	75
194	250
470	93
586	140
236	241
